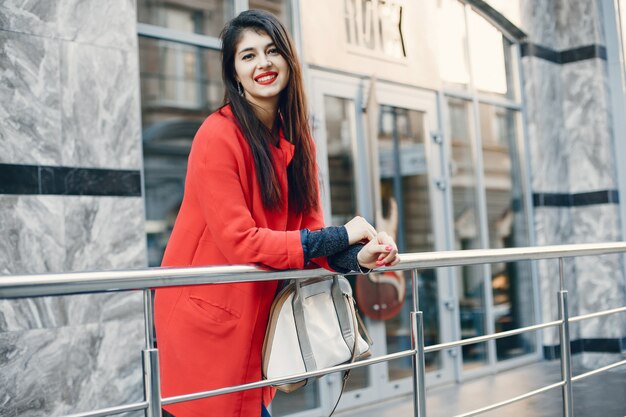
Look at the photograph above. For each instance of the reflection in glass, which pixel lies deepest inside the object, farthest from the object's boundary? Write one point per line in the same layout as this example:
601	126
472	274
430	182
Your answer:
491	56
184	77
340	125
511	282
180	86
470	279
202	17
405	197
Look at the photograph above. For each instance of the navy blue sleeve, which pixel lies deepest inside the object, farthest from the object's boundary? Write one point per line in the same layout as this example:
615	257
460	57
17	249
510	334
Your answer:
325	242
346	260
333	243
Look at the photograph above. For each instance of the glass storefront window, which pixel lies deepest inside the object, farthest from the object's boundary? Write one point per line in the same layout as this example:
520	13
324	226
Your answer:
467	234
511	282
451	36
405	203
180	86
202	17
340	136
339	114
490	57
178	76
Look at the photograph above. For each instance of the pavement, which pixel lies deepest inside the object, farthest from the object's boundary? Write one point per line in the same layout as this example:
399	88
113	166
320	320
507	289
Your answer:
602	395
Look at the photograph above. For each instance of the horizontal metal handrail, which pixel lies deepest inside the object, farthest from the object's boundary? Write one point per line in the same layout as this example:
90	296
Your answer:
512	400
541	390
125	280
292	378
598	314
492	336
17	286
371	361
599	370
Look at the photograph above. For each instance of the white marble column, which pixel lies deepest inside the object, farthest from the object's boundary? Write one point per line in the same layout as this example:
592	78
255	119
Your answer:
70	98
571	153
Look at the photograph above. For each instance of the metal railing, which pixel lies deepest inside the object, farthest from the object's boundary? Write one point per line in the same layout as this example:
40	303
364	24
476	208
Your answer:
20	286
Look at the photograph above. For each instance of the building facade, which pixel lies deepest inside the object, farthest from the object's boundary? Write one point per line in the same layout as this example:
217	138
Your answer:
452	124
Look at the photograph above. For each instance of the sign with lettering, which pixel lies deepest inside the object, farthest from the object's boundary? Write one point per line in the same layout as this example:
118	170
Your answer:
376	25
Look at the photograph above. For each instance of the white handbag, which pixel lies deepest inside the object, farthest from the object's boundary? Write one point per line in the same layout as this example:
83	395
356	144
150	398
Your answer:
313	324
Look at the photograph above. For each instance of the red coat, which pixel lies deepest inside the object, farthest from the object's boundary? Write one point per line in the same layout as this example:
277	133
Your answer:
211	336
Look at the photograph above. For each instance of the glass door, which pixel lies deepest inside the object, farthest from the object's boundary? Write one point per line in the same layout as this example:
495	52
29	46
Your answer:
405	213
375	161
410	203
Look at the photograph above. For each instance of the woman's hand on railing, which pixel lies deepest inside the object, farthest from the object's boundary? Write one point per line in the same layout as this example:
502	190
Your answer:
380	251
359	230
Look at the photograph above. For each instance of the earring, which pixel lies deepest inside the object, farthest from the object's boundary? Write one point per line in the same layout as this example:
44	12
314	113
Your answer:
239	89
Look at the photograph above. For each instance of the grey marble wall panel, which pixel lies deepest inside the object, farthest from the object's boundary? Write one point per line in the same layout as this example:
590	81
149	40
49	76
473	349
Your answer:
100	367
600	279
588	126
100	107
55	234
549	157
110	24
538	21
33	234
30	113
53	312
553	227
33	242
578	24
35	17
104	233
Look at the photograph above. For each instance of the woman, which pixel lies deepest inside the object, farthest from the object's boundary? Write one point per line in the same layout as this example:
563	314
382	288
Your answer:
251	196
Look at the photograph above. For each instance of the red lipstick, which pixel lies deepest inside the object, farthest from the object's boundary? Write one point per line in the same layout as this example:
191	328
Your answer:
266	78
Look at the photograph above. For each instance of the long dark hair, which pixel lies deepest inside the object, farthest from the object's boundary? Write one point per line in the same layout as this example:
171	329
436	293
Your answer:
301	173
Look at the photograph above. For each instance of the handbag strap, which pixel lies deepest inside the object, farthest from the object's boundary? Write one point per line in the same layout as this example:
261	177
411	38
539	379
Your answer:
343	313
303	335
357	322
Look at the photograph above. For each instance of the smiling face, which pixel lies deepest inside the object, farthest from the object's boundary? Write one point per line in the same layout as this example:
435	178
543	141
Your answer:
261	69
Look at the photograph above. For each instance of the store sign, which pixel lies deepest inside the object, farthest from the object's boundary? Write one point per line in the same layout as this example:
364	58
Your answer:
376	25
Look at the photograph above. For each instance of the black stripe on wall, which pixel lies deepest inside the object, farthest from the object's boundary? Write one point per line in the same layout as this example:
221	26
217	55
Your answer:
49	180
587	345
575	200
566	56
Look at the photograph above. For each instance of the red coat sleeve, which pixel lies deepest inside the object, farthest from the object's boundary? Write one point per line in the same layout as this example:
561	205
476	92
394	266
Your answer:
216	167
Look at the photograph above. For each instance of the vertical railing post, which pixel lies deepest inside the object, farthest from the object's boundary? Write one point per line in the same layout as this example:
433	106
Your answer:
566	354
150	356
417	343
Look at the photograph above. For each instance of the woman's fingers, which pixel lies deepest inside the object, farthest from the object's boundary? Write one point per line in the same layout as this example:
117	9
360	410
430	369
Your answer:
390	254
359	229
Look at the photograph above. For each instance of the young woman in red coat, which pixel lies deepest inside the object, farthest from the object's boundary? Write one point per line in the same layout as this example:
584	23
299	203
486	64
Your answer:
251	196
